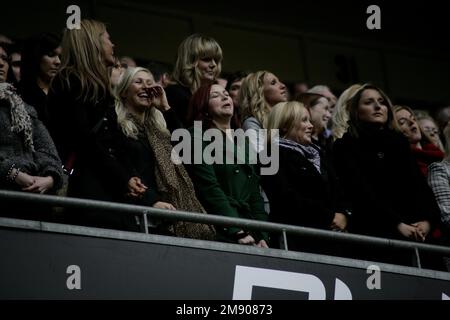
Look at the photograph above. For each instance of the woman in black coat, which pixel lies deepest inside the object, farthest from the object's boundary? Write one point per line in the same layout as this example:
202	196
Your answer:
389	196
84	125
40	63
303	191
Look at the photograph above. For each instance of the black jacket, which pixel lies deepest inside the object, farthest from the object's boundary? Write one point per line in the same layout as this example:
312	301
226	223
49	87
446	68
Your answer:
301	195
383	182
178	97
90	131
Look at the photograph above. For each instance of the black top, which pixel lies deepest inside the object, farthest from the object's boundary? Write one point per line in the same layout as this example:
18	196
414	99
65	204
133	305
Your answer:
139	157
32	94
90	130
383	182
301	195
178	97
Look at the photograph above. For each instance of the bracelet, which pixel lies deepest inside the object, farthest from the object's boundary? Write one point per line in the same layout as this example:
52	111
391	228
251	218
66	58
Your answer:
13	178
9	173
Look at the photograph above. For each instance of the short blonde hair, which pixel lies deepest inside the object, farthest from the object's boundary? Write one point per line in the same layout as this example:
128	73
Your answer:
284	116
153	116
192	49
251	97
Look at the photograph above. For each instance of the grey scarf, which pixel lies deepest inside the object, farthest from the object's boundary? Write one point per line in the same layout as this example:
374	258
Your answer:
310	152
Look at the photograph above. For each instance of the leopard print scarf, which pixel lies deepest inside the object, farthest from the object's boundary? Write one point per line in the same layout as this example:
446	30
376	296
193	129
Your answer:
175	184
20	119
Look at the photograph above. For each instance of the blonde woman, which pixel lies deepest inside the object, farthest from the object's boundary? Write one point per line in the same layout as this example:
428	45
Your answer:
340	115
199	62
259	92
143	114
425	152
304	191
83	124
430	129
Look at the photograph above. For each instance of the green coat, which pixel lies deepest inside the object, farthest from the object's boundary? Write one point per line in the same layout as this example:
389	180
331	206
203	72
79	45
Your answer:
230	190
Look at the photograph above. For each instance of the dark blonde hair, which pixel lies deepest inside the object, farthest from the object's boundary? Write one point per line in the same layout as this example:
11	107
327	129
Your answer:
425	138
251	97
83	58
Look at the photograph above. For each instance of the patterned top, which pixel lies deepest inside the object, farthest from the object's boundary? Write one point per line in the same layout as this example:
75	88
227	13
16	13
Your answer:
439	181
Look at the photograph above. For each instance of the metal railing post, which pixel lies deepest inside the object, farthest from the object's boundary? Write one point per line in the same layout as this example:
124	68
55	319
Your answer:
285	243
417	256
145	221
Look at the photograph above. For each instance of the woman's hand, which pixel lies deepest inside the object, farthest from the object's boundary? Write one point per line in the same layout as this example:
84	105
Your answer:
248	239
163	205
40	185
339	222
262	244
24	180
423	228
158	98
136	188
408	231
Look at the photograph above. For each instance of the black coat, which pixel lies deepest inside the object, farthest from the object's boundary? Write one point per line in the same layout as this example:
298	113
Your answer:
301	195
36	97
90	131
138	157
383	182
178	97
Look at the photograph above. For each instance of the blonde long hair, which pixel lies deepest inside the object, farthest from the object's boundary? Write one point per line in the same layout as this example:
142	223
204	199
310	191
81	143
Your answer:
192	49
83	58
153	117
251	97
340	117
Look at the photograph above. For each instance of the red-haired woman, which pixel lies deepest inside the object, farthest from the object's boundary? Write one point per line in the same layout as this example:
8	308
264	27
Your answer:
224	188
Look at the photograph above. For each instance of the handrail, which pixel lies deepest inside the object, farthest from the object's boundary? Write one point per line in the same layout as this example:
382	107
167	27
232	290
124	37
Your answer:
219	220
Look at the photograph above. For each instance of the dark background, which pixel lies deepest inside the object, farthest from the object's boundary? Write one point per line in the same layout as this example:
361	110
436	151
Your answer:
321	42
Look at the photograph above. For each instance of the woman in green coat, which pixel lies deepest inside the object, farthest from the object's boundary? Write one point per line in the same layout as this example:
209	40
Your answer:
224	185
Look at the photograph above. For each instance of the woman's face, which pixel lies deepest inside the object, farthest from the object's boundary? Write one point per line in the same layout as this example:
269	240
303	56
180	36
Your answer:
220	103
208	69
302	130
108	49
408	125
320	114
116	72
135	97
430	128
372	107
274	90
15	60
50	64
3	65
235	87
